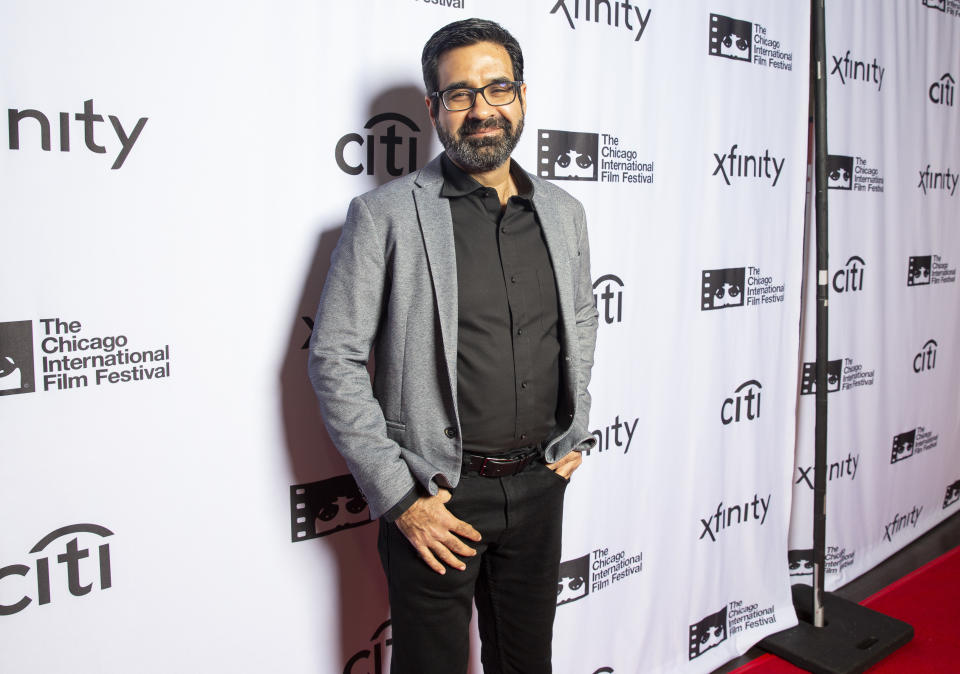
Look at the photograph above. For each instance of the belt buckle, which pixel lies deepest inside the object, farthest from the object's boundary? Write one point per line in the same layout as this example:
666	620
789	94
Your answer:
494	462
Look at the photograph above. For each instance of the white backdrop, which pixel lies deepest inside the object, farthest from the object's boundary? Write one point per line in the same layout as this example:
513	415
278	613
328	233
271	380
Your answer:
176	177
894	141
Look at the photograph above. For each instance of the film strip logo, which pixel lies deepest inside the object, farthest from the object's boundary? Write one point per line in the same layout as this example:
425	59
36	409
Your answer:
936	4
722	288
903	446
326	507
16	358
731	38
808	383
839	172
918	270
709	632
568	155
573	580
952	495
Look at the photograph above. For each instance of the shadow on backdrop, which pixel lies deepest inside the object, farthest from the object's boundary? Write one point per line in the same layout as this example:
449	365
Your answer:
395	139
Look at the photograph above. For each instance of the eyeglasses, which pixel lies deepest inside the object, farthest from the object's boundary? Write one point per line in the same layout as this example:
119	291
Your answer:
458	99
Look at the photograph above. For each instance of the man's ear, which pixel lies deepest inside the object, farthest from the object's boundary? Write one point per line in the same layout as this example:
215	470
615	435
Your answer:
429	101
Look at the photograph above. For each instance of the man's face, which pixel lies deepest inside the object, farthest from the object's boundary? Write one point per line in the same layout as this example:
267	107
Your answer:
482	138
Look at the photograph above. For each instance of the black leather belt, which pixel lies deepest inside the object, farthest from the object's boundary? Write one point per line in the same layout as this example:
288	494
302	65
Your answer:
498	466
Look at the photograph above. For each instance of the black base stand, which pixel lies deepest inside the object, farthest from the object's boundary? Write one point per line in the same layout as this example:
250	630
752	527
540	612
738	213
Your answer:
853	639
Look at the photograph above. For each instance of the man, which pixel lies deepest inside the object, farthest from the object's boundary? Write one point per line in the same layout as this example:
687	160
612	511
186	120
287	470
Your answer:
470	280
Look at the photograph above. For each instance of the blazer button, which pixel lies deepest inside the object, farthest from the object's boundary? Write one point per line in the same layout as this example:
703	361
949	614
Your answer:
450	432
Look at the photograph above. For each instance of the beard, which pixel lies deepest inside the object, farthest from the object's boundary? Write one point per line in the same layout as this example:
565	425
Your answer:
477	155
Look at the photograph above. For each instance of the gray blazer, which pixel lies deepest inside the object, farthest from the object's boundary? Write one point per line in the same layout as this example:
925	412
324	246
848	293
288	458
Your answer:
392	286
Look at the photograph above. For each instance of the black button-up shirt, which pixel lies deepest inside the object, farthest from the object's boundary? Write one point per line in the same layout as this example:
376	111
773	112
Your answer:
508	349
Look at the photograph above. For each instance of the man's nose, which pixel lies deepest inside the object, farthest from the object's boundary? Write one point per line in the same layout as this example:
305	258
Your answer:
481	109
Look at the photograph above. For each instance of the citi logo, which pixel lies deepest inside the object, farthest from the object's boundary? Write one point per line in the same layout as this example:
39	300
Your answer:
941	91
608	291
326	507
918	270
850	278
744	405
722	288
903	446
857	71
79	569
88	118
726	517
901	521
732	164
938	180
16	358
350	148
611	15
927	358
709	632
372	658
952	495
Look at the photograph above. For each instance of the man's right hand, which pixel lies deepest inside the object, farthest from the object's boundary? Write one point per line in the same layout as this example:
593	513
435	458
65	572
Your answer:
433	531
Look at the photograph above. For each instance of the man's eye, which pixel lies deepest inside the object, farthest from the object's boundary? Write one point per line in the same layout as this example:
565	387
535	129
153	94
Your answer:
459	95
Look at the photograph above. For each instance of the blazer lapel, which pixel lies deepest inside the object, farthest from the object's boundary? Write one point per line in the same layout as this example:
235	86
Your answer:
436	227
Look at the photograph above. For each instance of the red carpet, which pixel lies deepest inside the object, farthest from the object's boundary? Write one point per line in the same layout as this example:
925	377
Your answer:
929	600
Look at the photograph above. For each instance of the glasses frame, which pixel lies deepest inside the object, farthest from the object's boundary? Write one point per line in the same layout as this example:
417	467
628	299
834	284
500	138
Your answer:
480	90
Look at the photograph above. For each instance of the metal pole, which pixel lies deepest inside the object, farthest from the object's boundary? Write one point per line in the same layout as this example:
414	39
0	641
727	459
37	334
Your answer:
818	64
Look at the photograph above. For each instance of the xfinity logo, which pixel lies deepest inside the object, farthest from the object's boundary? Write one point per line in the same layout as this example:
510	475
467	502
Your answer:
326	507
611	436
941	91
938	180
901	521
608	291
88	118
850	278
612	15
389	144
725	517
732	164
745	403
78	570
372	659
857	71
709	632
927	358
844	468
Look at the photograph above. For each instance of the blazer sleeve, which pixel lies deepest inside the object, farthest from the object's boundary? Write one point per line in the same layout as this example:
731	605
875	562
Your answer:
586	318
346	324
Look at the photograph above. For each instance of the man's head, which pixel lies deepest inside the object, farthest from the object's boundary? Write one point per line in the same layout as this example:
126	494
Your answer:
471	54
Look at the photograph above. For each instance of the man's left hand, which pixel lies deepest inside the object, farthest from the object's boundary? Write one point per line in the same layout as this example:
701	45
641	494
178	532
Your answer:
565	466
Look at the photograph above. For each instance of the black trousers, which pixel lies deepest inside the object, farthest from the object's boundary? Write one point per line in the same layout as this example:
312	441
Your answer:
513	579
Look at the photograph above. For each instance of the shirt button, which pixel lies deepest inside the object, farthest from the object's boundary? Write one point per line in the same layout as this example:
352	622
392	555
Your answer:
523	436
503	230
450	432
513	279
523	384
519	331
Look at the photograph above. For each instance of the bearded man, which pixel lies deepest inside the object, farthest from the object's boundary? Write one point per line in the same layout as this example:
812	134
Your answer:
470	282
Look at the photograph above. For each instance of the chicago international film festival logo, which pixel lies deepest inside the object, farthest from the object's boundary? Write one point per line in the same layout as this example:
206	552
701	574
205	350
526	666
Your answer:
594	572
748	41
709	632
568	155
16	358
326	507
723	288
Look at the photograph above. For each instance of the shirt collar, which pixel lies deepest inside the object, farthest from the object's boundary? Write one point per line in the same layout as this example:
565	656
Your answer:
457	183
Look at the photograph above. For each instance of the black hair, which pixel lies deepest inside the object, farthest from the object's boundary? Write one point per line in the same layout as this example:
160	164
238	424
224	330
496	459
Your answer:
462	34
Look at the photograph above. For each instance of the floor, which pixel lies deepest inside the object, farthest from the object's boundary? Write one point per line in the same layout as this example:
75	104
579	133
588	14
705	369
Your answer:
942	538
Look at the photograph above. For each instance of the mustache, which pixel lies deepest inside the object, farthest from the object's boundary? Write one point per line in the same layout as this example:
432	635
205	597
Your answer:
470	126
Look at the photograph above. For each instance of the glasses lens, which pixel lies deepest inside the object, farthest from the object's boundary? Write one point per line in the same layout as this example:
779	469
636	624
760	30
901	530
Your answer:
458	99
500	93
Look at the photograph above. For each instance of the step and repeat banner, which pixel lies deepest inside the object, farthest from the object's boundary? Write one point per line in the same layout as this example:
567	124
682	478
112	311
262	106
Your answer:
894	162
176	178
